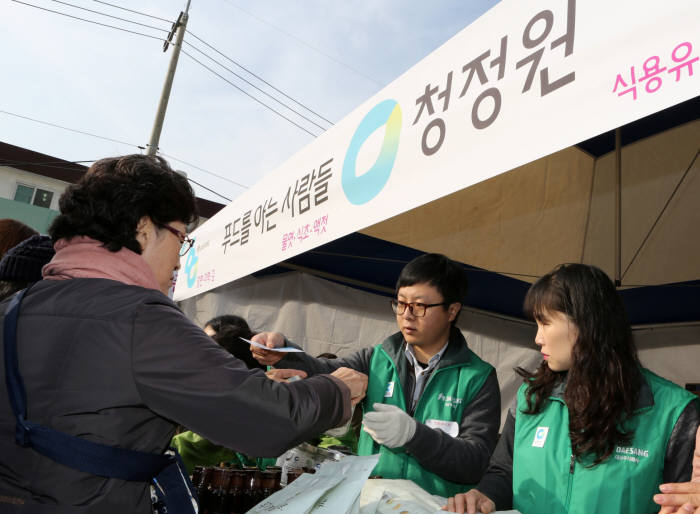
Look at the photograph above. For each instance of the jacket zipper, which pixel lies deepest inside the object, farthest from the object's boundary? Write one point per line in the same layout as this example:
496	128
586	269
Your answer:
570	485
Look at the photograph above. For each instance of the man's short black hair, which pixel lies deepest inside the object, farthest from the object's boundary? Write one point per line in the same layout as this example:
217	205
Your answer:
441	272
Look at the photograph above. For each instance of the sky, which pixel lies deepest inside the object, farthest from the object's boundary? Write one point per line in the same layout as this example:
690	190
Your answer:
329	56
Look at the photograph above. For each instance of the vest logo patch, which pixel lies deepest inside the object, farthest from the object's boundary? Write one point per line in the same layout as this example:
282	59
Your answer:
540	437
450	401
389	390
630	453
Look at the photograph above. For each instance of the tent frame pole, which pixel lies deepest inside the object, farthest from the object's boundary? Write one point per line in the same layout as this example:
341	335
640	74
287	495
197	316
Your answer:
618	207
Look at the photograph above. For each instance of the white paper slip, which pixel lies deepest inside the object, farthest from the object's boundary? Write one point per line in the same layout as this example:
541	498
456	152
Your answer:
286	349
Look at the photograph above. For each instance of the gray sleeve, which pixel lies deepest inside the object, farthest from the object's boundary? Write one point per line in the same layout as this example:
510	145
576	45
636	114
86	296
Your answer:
183	375
359	361
678	463
497	482
464	458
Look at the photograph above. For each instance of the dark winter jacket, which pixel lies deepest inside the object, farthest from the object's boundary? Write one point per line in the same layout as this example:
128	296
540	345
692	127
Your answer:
121	365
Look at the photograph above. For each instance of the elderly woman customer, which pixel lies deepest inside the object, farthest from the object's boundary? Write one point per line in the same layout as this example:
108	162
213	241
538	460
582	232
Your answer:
104	355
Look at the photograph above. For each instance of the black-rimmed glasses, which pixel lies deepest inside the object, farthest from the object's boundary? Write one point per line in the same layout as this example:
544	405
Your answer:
187	241
416	309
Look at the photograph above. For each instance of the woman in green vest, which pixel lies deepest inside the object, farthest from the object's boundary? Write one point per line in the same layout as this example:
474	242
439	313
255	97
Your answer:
591	431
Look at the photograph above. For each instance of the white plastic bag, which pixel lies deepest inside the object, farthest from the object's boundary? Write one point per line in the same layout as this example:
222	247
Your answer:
334	489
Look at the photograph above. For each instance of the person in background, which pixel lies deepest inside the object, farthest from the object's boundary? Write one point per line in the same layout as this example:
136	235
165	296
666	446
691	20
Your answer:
106	357
227	330
591	429
683	497
22	264
12	233
433	406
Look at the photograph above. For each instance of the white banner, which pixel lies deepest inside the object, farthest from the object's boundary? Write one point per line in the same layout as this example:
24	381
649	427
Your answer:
523	81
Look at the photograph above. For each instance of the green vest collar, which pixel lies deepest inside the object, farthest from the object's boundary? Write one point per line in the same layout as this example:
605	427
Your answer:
457	351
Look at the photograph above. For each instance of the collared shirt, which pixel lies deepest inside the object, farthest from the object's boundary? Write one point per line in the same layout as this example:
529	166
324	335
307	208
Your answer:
422	373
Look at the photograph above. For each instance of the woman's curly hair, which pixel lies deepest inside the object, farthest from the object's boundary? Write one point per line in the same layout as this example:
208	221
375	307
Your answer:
603	383
115	193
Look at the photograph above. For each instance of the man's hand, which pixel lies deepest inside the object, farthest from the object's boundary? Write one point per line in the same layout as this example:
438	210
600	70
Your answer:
683	497
356	381
389	425
271	340
471	502
281	375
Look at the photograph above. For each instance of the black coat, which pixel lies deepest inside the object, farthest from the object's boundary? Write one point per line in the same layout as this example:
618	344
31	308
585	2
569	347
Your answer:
121	365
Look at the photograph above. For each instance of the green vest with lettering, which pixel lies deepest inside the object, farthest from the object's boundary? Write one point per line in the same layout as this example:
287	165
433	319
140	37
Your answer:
547	479
449	389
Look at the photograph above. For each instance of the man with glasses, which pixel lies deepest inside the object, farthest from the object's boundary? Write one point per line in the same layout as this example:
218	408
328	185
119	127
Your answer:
432	408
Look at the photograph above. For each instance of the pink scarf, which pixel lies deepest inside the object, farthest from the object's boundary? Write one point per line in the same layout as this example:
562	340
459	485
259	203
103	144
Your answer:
83	257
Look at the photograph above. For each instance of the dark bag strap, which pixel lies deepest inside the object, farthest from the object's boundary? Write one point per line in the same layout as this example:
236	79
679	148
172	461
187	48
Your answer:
74	452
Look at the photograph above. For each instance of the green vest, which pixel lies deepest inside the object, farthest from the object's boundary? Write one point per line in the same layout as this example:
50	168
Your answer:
451	386
546	478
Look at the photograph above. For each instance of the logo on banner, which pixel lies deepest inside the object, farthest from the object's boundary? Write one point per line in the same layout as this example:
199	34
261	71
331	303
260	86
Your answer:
361	189
191	267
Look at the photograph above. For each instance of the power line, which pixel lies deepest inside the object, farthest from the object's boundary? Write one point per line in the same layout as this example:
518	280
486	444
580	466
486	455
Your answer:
131	10
257	76
120	142
89	21
187	54
110	16
247	94
280	29
217	62
71	130
256	87
210	190
172	157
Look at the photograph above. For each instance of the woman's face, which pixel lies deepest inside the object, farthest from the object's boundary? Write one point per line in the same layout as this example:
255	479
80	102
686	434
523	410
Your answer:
556	336
160	248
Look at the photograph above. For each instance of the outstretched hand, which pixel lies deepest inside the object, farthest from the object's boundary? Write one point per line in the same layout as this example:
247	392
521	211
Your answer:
271	340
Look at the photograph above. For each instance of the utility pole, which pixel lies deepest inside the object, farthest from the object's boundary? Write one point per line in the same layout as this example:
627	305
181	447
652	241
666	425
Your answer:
178	26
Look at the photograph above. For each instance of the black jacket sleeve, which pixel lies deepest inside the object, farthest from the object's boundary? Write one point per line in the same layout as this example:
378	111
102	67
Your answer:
359	361
497	482
184	376
678	463
464	458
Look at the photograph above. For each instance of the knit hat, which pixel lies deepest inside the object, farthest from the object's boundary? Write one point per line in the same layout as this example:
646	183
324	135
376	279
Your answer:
24	261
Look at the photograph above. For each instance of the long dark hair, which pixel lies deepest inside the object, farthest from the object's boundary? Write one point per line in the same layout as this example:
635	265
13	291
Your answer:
602	385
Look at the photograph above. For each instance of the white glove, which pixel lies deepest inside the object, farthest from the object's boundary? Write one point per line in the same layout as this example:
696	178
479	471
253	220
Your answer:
389	425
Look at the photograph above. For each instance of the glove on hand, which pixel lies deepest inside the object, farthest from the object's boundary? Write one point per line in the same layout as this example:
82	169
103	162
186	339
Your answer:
389	425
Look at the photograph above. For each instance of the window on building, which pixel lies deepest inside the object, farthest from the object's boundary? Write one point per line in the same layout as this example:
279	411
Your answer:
33	195
24	194
42	198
